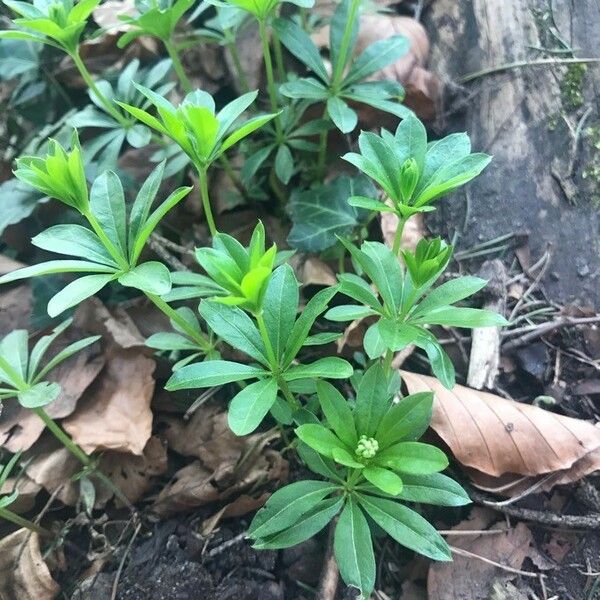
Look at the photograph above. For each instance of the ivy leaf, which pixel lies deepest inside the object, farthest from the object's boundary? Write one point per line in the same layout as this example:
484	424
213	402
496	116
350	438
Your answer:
320	214
18	201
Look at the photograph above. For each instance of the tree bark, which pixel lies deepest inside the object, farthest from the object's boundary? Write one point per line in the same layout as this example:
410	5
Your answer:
541	123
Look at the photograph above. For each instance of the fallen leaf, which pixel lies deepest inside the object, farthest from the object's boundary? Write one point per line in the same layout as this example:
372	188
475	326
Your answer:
115	414
25	575
107	15
414	230
227	465
469	577
497	436
15	308
314	271
241	506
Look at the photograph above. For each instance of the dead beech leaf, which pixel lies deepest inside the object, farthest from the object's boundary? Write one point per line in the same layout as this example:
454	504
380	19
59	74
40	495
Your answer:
497	436
115	414
241	506
15	308
468	577
25	575
314	271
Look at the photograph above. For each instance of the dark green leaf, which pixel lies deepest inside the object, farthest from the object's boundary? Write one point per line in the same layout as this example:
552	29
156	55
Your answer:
406	420
211	373
330	367
249	407
433	489
337	412
372	400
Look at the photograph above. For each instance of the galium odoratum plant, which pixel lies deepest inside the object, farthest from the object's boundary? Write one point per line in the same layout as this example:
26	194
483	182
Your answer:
346	79
23	375
413	173
110	250
59	23
371	464
200	131
256	314
159	18
404	304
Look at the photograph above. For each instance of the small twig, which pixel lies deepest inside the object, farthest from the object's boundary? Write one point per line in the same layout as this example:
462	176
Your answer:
471	531
122	562
468	554
228	544
530	490
330	574
547	255
526	63
165	255
591	521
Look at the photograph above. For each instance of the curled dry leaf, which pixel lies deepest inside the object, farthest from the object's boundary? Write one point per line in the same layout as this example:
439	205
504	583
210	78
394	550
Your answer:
228	465
25	575
115	414
468	577
497	436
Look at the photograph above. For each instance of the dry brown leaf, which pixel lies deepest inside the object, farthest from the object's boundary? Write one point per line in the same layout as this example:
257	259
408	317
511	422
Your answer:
241	506
497	436
25	575
15	308
314	271
467	577
414	230
107	15
115	414
228	465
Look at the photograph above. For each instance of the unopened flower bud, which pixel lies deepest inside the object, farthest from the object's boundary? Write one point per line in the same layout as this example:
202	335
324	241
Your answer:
409	177
367	447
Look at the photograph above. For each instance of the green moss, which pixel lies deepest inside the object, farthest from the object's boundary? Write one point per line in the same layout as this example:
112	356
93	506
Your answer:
591	172
571	87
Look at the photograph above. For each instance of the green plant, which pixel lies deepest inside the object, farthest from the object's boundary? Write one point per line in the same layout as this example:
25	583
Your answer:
201	132
23	376
371	463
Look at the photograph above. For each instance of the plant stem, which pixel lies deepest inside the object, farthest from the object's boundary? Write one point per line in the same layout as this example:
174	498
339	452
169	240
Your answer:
9	515
62	437
202	176
276	187
233	177
398	235
237	63
278	55
387	362
79	454
324	136
106	241
174	316
264	38
264	334
287	394
345	45
89	80
186	84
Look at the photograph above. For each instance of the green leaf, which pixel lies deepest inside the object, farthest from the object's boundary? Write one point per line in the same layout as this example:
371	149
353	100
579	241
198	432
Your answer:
19	200
74	240
440	362
377	56
385	480
387	275
287	506
344	118
76	292
310	524
407	420
343	457
14	351
235	327
39	395
280	304
64	354
55	266
249	407
313	309
211	373
454	316
397	336
284	163
411	141
245	130
298	42
330	367
107	203
349	312
228	115
414	458
354	550
407	527
308	88
320	339
373	343
337	412
356	94
318	463
41	346
343	33
357	288
369	204
150	277
168	340
372	400
433	489
319	438
448	293
321	214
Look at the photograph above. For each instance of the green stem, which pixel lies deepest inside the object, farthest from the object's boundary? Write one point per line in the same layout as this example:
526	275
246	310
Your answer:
237	63
276	187
264	334
387	362
287	394
19	382
62	437
345	45
9	515
106	241
322	149
398	235
264	38
186	84
278	56
233	177
202	176
174	316
89	80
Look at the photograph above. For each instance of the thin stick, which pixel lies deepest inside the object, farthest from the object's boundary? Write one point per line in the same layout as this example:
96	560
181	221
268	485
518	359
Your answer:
468	554
526	63
122	562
